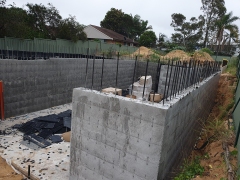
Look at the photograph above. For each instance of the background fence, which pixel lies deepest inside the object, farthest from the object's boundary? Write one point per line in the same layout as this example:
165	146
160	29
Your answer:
15	48
236	115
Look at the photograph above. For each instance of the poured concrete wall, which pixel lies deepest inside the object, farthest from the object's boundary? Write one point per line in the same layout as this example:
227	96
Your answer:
117	138
114	137
183	124
34	85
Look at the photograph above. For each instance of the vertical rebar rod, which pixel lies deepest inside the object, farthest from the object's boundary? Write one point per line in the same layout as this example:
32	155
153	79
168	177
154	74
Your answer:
184	76
181	74
93	71
201	73
164	94
145	78
197	72
86	69
173	81
193	72
176	79
188	74
203	70
207	69
215	67
134	70
117	74
157	80
29	171
102	73
169	80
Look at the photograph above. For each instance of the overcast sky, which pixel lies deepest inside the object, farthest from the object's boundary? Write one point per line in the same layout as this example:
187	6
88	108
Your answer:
157	12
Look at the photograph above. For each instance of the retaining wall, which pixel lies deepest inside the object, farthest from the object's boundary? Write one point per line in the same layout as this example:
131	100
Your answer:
34	85
116	138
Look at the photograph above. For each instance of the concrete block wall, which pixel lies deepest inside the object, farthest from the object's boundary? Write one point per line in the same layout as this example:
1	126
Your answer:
34	85
118	138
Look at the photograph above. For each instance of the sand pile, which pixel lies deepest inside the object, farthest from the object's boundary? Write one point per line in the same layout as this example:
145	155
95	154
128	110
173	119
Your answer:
202	56
177	54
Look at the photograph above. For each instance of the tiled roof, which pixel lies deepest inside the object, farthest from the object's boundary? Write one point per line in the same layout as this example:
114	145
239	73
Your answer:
114	35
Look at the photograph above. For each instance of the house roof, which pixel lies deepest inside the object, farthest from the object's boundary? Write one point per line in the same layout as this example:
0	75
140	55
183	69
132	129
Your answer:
113	35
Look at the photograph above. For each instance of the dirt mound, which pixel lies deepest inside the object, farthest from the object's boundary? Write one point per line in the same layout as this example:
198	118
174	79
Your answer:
177	54
143	51
202	56
7	173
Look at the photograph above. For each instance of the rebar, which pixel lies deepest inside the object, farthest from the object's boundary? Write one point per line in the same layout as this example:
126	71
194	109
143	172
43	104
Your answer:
164	94
197	72
157	79
86	69
135	64
102	73
169	80
29	171
181	74
174	79
145	79
93	71
117	74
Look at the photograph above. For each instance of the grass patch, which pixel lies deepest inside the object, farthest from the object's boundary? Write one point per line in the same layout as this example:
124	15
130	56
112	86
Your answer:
232	66
190	169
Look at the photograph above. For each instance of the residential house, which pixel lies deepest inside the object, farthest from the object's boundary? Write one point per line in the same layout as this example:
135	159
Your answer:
106	35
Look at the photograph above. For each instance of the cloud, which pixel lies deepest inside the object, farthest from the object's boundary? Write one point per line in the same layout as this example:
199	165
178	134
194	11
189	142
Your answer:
157	12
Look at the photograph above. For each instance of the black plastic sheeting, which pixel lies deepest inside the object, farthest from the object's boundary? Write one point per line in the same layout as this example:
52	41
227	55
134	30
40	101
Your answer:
41	130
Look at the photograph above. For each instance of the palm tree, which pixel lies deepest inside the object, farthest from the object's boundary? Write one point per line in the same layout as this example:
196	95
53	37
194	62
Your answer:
226	23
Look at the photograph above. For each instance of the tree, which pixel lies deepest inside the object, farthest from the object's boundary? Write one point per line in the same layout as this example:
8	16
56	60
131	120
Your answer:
161	39
15	23
44	19
212	10
148	39
125	24
139	26
188	34
70	29
113	20
226	23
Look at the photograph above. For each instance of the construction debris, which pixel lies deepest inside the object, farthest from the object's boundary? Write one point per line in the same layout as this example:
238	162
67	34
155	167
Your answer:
41	130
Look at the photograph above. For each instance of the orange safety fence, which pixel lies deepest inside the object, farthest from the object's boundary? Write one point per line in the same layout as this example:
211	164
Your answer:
1	101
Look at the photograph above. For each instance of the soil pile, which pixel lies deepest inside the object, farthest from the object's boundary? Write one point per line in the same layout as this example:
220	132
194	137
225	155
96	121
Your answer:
177	54
143	51
7	173
202	56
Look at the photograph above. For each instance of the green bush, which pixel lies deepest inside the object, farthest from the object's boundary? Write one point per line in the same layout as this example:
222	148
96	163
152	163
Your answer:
179	48
190	170
232	66
207	50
